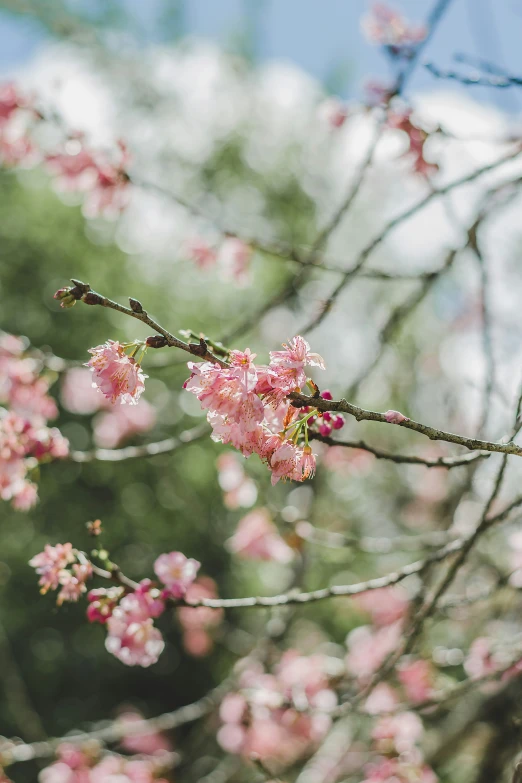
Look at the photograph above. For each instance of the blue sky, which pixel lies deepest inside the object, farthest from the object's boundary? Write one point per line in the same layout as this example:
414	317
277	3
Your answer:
321	37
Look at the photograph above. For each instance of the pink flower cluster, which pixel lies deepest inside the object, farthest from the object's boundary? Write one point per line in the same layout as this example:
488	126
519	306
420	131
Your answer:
58	567
105	184
386	27
248	407
278	716
22	447
257	538
25	438
417	137
116	374
113	424
77	765
128	615
131	634
16	115
232	257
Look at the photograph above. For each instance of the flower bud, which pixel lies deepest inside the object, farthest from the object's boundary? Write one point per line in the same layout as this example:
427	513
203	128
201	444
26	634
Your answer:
156	341
65	297
395	417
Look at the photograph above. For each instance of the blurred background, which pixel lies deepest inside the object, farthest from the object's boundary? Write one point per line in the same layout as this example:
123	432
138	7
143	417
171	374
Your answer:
222	103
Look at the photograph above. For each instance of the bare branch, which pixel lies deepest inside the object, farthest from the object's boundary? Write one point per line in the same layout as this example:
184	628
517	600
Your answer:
146	450
401	459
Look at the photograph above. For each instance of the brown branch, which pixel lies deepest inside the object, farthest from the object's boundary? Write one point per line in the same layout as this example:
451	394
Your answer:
401	459
84	292
360	414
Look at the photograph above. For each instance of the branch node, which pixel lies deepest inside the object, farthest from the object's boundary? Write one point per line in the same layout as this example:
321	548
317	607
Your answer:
135	305
156	341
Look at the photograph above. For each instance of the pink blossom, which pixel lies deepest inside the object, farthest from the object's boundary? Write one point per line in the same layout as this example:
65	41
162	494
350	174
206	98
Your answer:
404	730
102	602
199	251
105	184
73	582
256	538
368	648
383	698
116	375
281	716
132	637
176	572
50	564
395	417
234	258
75	765
146	742
196	622
395	770
78	394
248	407
417	680
114	423
386	27
385	605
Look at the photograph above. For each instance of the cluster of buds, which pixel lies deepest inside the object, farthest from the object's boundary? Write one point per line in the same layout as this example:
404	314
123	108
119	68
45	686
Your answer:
386	27
324	422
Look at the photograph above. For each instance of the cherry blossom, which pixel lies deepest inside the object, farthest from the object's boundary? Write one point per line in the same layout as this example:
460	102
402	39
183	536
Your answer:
105	184
132	637
234	259
117	375
417	679
176	572
50	564
22	447
267	716
199	251
256	538
113	424
248	407
76	765
386	27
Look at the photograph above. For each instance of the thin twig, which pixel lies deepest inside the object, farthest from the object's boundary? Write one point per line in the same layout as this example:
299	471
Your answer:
396	221
401	459
145	450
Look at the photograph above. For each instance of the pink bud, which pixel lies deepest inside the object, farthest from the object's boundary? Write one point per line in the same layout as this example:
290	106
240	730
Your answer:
395	417
327	395
338	422
311	420
327	416
325	429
